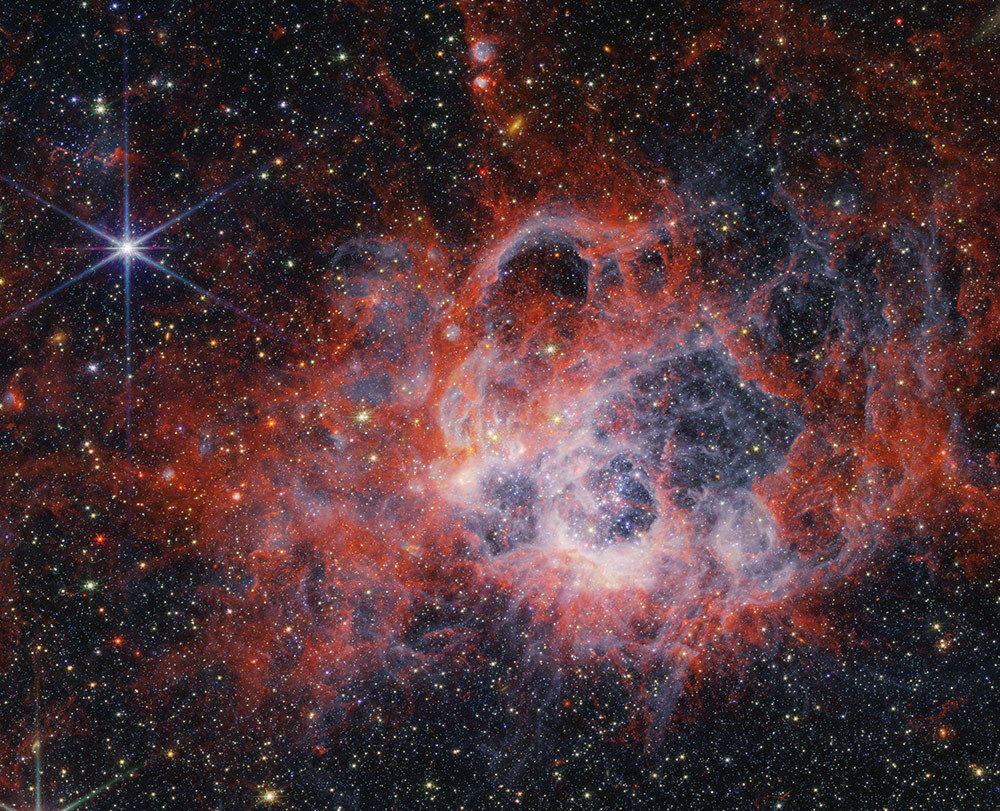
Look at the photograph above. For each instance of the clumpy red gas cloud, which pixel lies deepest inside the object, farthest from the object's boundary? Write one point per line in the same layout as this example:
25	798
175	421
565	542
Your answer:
606	427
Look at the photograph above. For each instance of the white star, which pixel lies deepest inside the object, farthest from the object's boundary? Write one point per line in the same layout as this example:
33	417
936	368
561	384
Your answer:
128	249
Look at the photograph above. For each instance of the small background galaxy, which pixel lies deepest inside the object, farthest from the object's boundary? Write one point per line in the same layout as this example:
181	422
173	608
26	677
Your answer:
479	405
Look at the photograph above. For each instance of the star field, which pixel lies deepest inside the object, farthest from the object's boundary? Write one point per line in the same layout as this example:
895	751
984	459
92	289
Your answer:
480	405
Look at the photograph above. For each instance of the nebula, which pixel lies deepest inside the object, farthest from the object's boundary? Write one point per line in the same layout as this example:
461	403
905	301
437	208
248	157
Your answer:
585	445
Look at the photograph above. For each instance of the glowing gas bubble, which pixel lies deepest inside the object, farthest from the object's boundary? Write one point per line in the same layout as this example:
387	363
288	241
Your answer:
482	51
